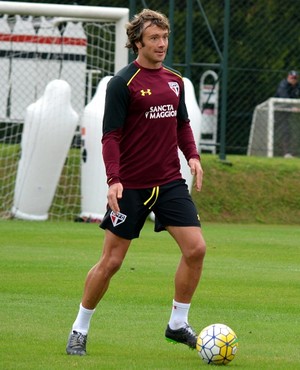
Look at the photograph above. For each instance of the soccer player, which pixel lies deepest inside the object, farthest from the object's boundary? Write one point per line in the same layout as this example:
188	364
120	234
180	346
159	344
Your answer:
145	121
288	88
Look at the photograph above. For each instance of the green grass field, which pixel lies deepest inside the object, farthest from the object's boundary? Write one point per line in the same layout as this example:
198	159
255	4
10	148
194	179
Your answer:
250	282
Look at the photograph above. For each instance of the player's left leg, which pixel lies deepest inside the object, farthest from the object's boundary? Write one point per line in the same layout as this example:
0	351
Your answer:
192	245
176	212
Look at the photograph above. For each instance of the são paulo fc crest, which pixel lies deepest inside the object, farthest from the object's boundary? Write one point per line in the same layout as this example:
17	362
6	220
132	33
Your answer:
117	218
174	87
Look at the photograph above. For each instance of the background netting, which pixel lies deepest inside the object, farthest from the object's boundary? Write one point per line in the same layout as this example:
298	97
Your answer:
35	51
263	47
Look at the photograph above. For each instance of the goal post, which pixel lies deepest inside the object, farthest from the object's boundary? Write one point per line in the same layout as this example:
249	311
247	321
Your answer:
275	128
40	45
78	12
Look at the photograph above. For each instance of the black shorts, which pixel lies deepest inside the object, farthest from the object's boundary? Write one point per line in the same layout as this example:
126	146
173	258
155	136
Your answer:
171	204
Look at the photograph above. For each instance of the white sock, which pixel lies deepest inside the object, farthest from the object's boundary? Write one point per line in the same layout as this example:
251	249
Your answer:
179	315
82	322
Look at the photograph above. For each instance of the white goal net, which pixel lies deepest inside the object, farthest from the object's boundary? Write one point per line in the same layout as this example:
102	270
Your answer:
275	128
49	52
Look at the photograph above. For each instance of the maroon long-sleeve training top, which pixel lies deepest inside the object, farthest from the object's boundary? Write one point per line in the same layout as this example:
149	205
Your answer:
145	122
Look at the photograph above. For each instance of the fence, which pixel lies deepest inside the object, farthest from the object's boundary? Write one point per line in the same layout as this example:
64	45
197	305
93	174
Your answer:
250	49
262	48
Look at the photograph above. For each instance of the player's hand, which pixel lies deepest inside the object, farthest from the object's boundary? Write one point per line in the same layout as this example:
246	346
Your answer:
197	171
115	192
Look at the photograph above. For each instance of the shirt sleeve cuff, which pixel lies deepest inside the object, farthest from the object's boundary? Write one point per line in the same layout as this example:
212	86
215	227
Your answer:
112	180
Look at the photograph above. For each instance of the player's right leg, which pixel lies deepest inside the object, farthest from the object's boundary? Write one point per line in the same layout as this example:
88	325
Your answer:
120	229
96	284
98	278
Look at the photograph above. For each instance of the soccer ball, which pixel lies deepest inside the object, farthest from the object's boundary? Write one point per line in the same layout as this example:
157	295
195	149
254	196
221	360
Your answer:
217	344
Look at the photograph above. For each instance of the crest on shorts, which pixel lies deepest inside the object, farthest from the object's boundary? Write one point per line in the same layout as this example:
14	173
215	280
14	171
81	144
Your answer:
174	86
117	218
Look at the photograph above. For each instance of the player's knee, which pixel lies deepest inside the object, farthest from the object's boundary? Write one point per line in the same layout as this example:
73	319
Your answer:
196	252
114	265
200	250
108	266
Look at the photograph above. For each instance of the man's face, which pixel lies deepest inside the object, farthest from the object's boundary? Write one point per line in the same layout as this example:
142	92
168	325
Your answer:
292	79
153	48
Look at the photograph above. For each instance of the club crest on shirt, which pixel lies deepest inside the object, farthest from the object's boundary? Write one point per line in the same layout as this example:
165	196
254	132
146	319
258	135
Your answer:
174	86
117	218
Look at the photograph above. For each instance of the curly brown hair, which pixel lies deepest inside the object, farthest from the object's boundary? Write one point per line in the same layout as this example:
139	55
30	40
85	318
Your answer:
135	27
